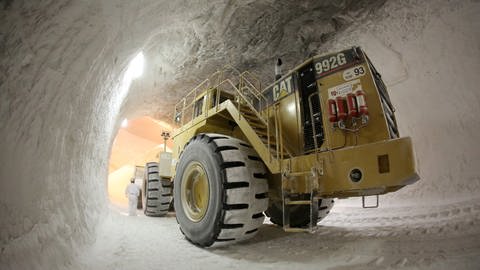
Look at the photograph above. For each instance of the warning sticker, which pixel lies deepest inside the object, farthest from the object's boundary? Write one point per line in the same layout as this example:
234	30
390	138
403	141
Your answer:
343	90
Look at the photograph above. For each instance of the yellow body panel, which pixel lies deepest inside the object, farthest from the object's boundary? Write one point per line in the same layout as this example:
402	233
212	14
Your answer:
290	122
334	168
376	129
385	164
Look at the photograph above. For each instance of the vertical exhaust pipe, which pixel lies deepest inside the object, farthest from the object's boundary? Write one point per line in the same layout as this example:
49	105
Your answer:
278	69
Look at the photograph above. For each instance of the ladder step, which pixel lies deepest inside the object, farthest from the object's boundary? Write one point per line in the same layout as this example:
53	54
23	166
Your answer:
245	108
306	202
258	124
248	112
272	143
300	173
290	229
262	132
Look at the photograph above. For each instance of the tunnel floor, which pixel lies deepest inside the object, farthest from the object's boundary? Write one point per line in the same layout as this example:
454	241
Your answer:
425	237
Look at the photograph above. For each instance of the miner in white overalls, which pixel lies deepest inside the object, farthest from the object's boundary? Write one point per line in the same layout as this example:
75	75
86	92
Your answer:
131	192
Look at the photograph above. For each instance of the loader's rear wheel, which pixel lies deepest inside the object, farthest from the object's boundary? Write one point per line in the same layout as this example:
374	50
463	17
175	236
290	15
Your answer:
140	201
156	192
299	215
220	190
324	208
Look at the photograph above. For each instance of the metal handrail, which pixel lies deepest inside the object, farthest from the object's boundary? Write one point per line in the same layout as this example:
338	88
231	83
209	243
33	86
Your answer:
314	128
247	73
216	81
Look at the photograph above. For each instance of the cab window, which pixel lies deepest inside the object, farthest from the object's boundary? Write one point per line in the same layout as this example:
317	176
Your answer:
198	108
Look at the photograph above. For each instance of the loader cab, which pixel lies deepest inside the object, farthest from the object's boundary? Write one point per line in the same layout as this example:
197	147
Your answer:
199	105
208	100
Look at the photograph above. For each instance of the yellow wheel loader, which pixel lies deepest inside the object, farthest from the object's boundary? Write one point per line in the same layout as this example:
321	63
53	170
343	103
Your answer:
324	130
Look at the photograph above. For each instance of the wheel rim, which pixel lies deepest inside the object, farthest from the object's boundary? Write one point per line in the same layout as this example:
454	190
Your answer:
195	192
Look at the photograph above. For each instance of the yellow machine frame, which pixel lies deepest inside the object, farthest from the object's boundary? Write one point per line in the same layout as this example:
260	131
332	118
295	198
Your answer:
224	105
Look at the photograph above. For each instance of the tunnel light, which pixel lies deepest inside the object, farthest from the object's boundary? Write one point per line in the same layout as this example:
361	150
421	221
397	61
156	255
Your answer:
135	68
133	71
124	123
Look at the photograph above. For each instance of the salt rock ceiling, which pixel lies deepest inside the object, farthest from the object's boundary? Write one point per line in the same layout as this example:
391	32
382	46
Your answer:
199	37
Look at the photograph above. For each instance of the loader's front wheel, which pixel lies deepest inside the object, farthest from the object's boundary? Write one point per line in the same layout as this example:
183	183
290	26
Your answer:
156	192
220	190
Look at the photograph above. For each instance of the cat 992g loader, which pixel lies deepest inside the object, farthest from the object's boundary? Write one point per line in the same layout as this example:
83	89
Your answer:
324	130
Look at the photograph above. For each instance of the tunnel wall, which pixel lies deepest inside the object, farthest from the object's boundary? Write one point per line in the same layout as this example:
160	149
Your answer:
61	73
62	67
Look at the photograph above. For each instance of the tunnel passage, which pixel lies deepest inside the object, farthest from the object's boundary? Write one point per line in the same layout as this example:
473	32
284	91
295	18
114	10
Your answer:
137	142
61	100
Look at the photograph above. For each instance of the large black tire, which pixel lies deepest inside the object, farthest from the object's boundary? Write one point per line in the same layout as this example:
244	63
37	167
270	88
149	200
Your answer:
234	178
140	201
324	208
156	192
299	215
